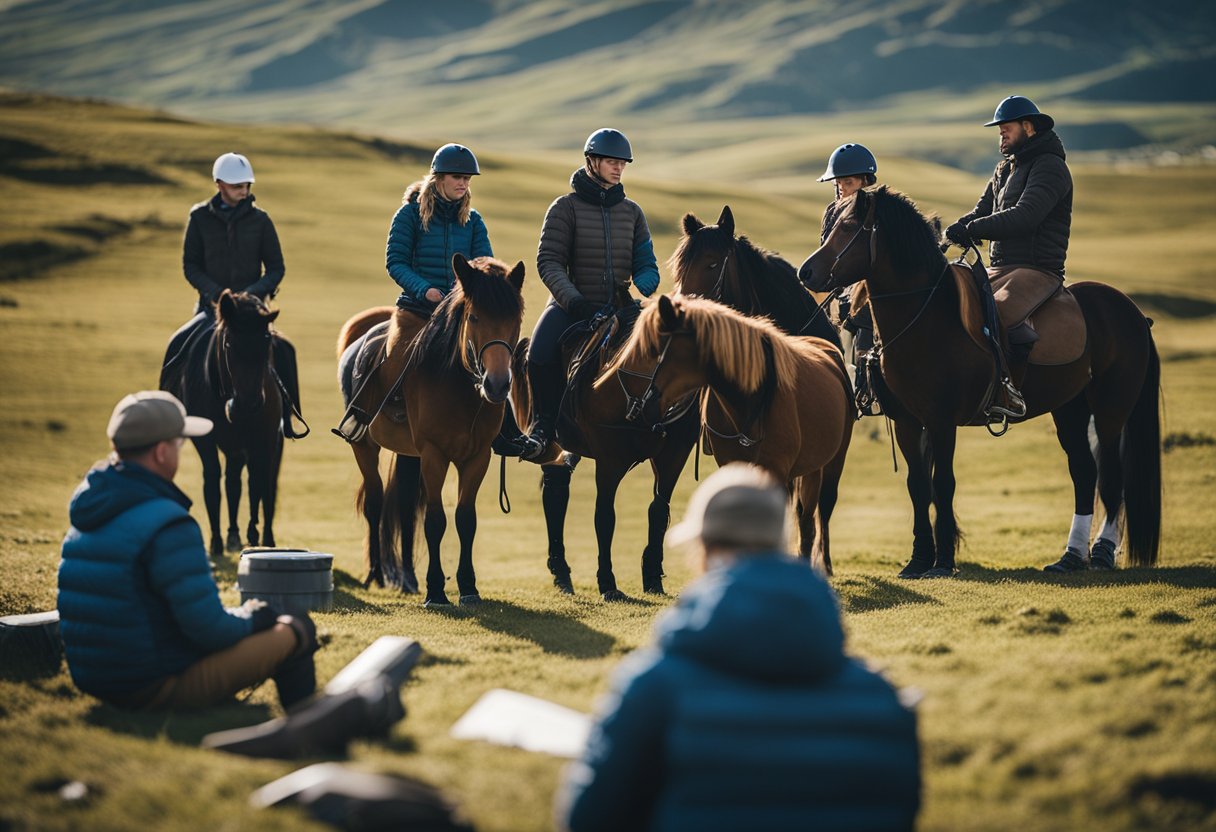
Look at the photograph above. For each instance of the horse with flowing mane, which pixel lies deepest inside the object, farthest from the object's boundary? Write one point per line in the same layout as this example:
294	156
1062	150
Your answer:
227	375
935	377
779	401
442	388
712	262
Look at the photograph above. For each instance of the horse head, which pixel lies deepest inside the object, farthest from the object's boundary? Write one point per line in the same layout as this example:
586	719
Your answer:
850	250
702	264
492	313
243	339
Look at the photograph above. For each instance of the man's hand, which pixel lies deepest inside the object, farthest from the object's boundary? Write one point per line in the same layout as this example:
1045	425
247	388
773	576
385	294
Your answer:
647	283
433	295
959	235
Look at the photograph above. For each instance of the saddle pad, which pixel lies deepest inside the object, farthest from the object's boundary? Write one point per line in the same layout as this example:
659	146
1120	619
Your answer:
1060	325
1020	291
969	310
371	351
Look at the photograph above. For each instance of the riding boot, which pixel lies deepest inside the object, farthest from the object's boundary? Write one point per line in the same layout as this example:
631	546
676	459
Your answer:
357	418
510	440
296	678
547	389
285	366
863	345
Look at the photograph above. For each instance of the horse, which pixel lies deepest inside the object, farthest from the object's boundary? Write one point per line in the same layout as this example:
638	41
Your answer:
442	384
711	262
781	402
227	375
935	377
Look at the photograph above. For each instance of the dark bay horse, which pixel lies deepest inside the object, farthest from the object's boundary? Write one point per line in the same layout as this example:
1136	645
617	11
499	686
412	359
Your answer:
443	384
936	378
228	376
779	401
712	262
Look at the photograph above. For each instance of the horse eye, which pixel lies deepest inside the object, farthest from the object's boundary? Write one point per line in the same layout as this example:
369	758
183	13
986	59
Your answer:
713	265
472	319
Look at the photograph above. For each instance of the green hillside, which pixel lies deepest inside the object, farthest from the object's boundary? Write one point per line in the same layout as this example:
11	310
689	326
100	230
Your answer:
1049	704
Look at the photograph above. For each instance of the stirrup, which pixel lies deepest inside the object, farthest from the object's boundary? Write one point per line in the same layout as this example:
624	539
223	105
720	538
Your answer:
1017	404
354	425
534	447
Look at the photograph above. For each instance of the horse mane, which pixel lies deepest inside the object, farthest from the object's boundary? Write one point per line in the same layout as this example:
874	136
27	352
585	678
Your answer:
778	291
437	347
727	339
911	237
251	312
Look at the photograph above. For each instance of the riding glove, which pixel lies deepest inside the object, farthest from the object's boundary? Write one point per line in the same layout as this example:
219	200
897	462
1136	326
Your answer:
959	235
583	309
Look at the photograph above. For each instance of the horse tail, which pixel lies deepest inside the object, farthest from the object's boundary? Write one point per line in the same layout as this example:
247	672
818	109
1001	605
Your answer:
357	325
404	497
1140	457
521	390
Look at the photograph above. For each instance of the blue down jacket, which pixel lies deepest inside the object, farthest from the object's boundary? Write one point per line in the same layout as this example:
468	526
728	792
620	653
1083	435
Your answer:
419	260
746	714
137	601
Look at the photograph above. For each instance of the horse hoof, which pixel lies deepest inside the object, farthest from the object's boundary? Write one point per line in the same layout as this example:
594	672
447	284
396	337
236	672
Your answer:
436	601
614	595
409	585
564	585
653	586
940	572
234	544
915	569
470	600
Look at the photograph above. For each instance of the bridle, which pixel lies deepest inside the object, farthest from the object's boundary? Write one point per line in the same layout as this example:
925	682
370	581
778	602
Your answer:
224	384
870	226
635	406
473	359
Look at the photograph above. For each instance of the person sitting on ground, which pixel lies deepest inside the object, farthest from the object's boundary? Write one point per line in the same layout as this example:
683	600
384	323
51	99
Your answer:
230	243
139	612
746	713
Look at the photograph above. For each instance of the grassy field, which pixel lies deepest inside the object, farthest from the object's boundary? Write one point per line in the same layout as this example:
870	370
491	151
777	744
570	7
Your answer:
1048	703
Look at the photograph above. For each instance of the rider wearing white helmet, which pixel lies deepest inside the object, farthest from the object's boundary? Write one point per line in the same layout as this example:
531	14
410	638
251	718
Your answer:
230	243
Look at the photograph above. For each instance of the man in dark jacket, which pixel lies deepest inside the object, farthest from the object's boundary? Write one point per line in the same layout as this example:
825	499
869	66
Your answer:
746	713
1026	212
593	244
230	243
140	614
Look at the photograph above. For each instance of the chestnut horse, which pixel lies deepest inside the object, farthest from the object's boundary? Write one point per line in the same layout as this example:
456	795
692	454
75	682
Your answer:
936	378
442	384
227	375
779	401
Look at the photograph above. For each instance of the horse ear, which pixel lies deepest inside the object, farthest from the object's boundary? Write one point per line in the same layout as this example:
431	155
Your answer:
226	304
691	224
270	318
727	221
516	276
460	265
669	318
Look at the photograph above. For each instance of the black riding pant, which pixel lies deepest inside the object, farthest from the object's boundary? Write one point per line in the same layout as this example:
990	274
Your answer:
545	348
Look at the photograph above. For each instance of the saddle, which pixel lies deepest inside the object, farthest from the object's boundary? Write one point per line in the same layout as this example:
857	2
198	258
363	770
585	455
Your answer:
586	343
1026	296
370	354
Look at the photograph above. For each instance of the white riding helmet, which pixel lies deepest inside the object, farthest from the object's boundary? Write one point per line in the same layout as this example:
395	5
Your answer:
232	168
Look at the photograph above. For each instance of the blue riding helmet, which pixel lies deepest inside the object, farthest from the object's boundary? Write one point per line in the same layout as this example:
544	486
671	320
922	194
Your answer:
610	143
455	158
850	160
1018	108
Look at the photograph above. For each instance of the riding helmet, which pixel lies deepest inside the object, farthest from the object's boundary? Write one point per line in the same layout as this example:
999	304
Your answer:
233	169
610	143
1019	108
850	160
455	158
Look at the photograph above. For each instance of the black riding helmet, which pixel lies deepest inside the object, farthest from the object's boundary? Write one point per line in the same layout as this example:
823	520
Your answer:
455	158
610	143
1020	108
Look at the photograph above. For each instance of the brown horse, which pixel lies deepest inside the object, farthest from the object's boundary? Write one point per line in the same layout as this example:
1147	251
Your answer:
936	378
442	384
227	375
776	400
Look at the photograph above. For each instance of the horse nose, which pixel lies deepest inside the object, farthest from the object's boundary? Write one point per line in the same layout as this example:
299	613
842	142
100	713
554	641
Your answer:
806	272
495	388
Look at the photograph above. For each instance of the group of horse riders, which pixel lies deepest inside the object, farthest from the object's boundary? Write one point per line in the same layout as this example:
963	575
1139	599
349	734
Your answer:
595	241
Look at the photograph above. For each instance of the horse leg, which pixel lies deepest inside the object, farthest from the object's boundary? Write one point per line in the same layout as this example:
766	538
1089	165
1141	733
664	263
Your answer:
271	493
209	455
1072	432
404	511
829	491
257	494
608	476
667	466
810	544
555	499
470	478
908	434
234	467
946	532
369	500
434	472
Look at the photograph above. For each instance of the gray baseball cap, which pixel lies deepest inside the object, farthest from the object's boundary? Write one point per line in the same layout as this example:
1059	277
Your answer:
739	505
152	416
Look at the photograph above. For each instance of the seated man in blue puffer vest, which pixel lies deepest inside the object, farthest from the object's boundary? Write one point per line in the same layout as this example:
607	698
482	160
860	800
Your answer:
746	713
139	613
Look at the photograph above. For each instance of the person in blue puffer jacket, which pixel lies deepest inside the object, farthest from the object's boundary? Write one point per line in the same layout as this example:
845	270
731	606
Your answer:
139	612
746	713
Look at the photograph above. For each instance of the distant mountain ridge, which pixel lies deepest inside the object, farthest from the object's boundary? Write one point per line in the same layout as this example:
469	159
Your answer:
540	72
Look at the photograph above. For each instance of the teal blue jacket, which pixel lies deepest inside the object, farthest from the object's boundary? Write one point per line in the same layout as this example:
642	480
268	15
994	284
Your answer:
420	260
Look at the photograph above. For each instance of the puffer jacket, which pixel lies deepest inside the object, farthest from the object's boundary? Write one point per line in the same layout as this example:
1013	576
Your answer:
594	241
746	714
420	260
137	601
1026	210
233	248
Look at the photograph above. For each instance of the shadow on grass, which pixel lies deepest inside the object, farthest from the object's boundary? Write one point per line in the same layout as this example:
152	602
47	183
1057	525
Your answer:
184	728
553	631
867	593
345	599
1184	577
